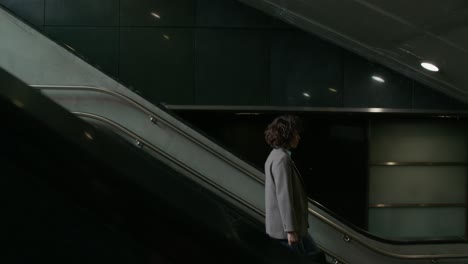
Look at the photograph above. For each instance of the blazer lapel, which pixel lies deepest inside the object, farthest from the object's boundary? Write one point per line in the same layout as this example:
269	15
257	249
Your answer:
295	168
298	173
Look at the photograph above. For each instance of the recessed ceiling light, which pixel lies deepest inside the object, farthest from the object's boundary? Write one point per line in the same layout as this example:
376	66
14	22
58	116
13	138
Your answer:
378	79
155	15
333	90
306	94
429	66
166	37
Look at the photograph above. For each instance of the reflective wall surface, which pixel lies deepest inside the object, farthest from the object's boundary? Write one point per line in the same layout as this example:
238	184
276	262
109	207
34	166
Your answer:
332	154
220	52
396	176
418	178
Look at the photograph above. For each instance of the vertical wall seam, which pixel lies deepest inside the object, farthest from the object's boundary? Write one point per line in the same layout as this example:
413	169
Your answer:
118	42
268	87
44	15
194	30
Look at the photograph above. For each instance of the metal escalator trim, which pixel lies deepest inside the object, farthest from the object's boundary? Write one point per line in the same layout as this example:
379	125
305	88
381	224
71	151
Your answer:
253	208
383	252
188	169
254	110
169	157
150	114
261	181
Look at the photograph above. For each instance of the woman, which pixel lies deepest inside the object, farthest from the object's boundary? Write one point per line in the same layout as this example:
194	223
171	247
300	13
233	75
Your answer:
286	202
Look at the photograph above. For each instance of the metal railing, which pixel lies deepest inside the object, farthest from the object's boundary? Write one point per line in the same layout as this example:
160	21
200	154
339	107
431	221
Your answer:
152	117
140	142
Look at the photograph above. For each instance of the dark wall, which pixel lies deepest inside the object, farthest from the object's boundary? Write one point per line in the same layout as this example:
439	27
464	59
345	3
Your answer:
332	154
219	52
74	193
46	196
40	223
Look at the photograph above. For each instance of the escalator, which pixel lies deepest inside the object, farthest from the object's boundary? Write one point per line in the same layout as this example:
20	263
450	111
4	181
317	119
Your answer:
161	138
77	194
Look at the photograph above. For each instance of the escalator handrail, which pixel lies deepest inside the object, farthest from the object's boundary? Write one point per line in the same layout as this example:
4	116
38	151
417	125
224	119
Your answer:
172	159
151	115
169	157
349	237
315	213
247	204
383	240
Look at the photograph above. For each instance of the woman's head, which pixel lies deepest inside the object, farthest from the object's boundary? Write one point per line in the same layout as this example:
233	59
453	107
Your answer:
284	132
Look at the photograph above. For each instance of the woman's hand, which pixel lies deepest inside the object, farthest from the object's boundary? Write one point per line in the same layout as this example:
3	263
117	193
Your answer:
293	238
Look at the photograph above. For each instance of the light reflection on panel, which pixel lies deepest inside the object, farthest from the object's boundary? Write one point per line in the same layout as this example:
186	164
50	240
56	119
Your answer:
161	13
418	142
417	184
417	222
99	45
305	71
158	62
367	84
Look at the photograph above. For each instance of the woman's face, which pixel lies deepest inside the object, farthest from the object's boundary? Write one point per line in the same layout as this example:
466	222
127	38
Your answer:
295	140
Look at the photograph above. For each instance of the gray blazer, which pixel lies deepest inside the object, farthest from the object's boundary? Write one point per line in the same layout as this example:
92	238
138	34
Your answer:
285	196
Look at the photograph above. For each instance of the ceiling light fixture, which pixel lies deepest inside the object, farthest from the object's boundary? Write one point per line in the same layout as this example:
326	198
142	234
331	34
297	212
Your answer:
155	15
306	94
429	66
376	110
378	79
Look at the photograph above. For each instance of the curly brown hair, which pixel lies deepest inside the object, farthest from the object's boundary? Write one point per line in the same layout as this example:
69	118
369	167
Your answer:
280	132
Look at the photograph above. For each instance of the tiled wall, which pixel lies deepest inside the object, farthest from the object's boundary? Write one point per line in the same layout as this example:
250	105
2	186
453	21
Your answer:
220	52
418	179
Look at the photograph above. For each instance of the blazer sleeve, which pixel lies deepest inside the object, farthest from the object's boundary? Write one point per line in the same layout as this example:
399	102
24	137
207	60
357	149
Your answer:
282	174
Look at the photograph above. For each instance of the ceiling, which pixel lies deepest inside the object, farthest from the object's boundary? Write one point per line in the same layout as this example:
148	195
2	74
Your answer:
399	34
